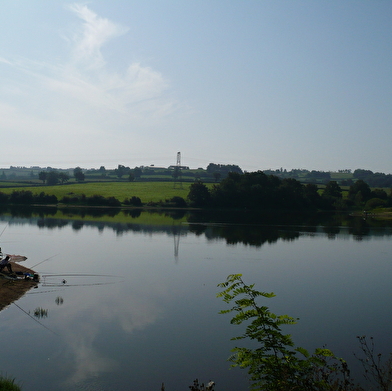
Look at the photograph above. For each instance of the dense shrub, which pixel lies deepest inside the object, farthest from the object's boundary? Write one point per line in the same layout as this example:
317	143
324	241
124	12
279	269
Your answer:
21	197
99	200
179	202
43	198
134	201
4	198
374	203
112	201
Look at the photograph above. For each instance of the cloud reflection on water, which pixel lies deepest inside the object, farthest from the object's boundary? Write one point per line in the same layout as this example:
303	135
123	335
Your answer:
96	317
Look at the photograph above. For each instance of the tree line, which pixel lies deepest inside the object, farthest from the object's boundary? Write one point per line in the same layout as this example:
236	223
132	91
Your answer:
256	190
213	172
373	179
253	191
53	177
216	172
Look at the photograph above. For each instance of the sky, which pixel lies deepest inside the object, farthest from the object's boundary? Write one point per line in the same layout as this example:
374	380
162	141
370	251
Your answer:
262	84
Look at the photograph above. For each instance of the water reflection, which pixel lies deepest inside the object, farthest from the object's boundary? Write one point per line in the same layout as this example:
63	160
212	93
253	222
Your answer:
157	320
233	227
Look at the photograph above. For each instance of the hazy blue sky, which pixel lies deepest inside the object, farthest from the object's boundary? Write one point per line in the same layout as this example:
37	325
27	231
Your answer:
261	84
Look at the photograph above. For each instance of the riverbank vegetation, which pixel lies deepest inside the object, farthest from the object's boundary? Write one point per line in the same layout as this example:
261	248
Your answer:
277	364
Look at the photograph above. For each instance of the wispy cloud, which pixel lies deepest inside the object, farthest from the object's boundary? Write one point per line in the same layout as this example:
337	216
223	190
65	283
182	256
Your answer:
82	94
3	60
95	32
137	91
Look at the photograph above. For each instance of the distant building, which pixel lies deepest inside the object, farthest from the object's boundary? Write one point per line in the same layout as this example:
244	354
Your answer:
180	167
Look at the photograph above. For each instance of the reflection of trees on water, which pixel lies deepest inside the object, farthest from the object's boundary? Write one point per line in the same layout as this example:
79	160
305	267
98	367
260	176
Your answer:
248	235
359	228
248	228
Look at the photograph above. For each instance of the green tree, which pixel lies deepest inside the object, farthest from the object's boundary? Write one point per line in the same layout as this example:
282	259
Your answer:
52	178
199	195
102	171
137	172
121	170
333	190
42	176
311	194
78	174
63	177
291	193
362	187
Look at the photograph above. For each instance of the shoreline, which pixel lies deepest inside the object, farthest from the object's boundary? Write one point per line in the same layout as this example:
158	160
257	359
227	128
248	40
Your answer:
12	290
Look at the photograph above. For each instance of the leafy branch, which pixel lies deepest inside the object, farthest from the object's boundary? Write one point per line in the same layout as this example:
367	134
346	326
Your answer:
276	364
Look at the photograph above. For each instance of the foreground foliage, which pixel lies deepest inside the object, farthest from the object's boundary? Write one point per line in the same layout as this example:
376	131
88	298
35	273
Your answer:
276	364
8	384
196	386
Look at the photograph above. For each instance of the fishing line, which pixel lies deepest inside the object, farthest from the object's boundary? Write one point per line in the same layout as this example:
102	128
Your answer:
66	284
52	290
79	275
47	328
49	284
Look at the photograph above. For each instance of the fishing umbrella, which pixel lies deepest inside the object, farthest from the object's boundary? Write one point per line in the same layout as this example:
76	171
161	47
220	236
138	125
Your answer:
16	258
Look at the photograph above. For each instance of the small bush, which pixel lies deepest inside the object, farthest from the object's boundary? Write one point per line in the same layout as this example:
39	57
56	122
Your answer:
375	202
179	202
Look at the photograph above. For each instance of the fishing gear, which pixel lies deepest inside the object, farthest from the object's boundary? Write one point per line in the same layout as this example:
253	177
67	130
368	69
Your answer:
47	259
4	228
64	283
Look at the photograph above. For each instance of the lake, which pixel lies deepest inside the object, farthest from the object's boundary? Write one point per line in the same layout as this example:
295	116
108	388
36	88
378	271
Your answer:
128	301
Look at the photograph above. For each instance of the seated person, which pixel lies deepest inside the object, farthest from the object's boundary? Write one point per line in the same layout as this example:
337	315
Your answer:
6	263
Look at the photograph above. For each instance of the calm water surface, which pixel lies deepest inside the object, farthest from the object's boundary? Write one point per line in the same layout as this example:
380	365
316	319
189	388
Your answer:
131	305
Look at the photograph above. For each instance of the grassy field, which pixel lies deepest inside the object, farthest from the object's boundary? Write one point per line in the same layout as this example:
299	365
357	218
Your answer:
146	191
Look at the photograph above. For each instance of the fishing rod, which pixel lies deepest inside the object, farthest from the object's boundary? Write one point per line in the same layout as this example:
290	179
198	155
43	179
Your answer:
47	259
4	228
